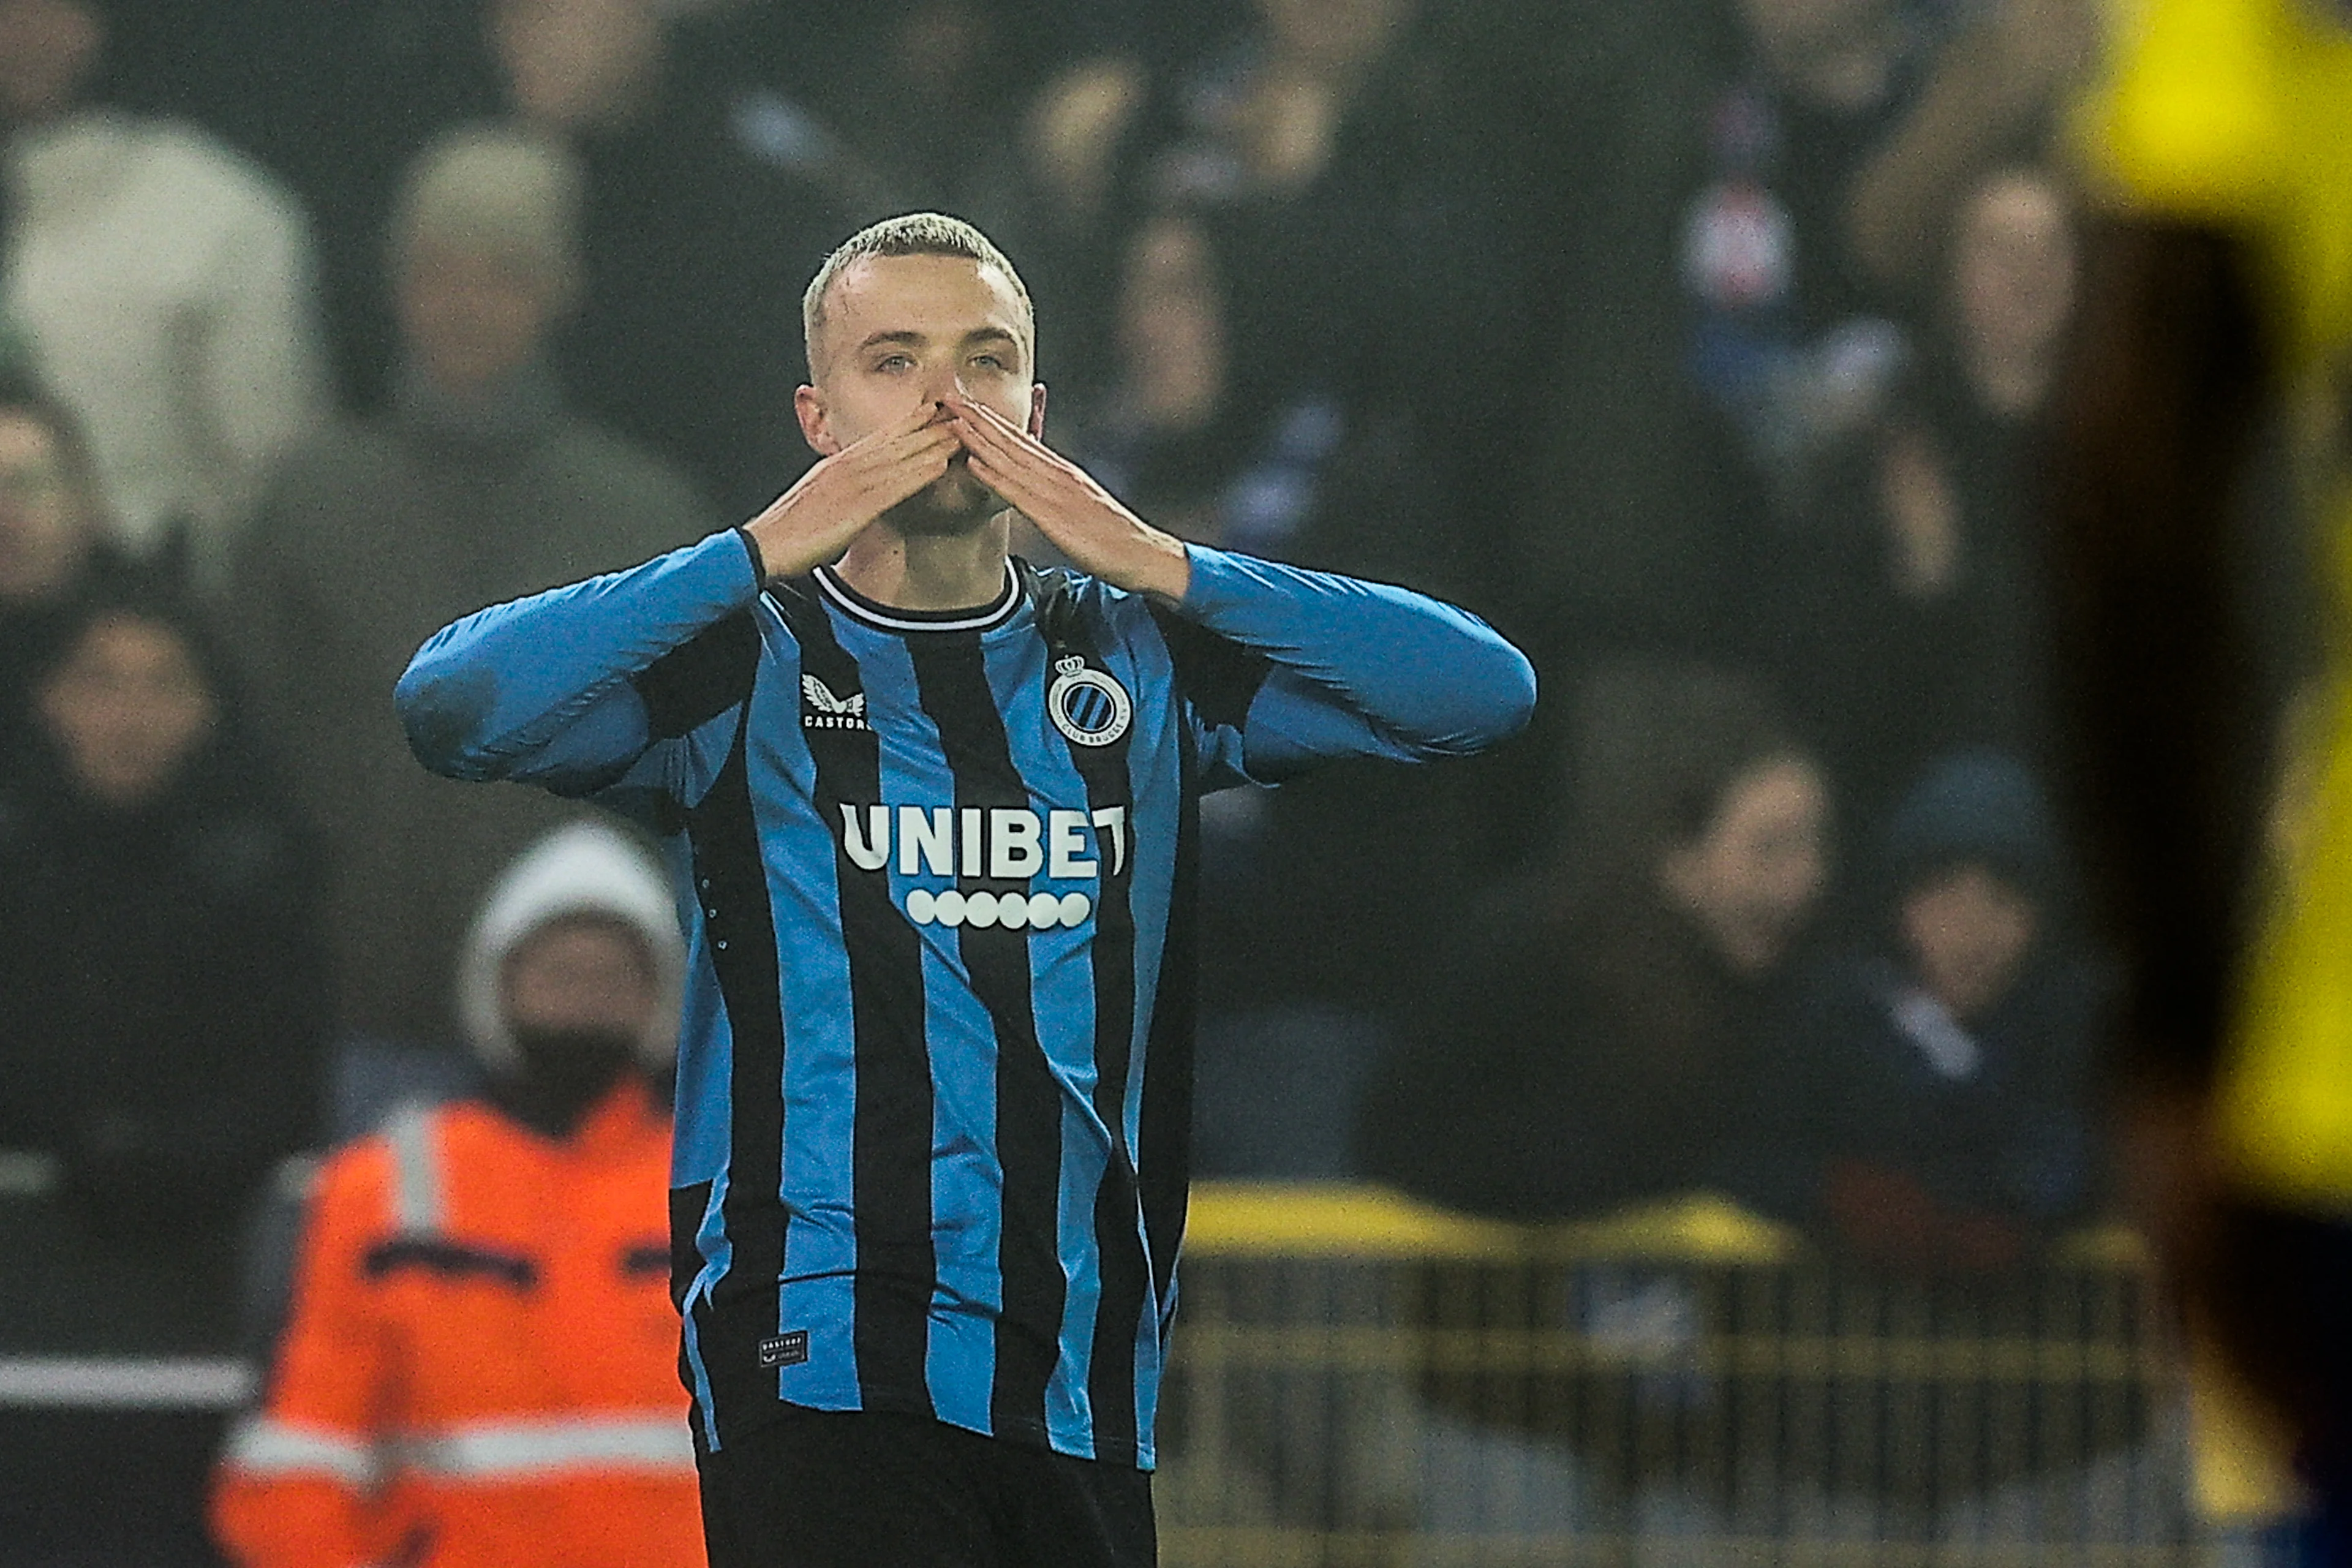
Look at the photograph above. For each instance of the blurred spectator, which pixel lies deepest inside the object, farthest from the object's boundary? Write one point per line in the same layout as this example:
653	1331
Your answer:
1302	320
1900	610
1059	184
2011	249
1592	1043
1709	331
479	1365
1312	331
1936	1087
163	990
704	211
1694	336
477	486
166	285
2009	276
1161	432
1370	270
53	546
1308	191
924	90
162	1018
1792	347
336	99
1994	88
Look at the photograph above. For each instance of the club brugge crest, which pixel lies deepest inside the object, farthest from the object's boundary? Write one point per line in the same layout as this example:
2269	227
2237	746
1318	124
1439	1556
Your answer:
1086	705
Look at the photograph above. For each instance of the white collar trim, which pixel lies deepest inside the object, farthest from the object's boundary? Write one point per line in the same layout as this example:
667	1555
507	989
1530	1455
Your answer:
860	608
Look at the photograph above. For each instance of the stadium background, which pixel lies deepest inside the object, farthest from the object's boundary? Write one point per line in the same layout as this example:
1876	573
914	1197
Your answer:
1576	1191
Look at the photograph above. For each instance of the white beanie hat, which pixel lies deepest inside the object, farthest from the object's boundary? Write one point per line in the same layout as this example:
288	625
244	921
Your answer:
585	869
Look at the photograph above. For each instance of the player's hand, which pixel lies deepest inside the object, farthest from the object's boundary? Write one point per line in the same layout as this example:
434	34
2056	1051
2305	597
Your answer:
1081	518
812	523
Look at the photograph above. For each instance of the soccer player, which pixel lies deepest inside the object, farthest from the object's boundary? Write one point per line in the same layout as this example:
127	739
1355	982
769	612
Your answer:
933	812
2222	298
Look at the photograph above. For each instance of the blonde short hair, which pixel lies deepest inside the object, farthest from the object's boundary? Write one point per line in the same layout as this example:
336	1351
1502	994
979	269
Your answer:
913	233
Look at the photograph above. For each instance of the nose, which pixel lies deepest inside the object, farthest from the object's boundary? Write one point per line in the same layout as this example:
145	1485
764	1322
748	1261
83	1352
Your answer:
939	382
944	382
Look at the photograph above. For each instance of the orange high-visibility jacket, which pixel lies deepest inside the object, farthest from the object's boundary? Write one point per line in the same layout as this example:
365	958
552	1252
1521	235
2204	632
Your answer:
479	1369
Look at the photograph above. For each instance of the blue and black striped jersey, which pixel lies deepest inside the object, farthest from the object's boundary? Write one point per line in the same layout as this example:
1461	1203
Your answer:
934	1079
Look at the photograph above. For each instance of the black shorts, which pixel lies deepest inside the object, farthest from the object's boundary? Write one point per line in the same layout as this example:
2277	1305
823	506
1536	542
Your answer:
823	1488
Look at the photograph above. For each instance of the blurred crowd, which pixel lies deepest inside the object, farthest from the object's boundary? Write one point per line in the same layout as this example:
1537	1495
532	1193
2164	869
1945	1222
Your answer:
1700	345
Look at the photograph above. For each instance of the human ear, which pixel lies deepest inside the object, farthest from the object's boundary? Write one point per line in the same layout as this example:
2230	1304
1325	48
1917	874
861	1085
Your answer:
1037	411
808	408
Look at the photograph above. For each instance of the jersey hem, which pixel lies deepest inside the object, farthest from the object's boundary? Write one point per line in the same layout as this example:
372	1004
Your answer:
1026	1433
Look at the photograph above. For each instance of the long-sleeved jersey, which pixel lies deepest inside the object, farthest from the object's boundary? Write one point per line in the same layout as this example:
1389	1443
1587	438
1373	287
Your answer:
936	873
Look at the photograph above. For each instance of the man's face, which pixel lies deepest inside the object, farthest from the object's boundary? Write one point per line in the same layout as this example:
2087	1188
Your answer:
901	332
470	321
42	539
583	976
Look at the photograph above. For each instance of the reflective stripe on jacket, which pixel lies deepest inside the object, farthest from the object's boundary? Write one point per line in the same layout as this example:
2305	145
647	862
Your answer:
479	1369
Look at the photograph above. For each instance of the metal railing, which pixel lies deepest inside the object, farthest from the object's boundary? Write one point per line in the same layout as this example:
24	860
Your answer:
1358	1381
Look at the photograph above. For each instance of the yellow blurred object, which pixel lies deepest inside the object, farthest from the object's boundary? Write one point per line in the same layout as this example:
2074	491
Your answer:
2106	1245
1238	1219
2239	113
2238	1457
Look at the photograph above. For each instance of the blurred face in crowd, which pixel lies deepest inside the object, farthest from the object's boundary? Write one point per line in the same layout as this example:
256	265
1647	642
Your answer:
1171	327
1967	932
582	974
2014	266
898	331
1337	36
578	993
47	49
471	320
129	706
44	535
1751	876
573	64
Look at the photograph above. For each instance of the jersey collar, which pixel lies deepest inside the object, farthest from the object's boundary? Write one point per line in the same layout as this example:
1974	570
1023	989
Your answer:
888	619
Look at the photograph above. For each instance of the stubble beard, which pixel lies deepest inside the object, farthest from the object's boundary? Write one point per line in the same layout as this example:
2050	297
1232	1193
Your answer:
950	506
